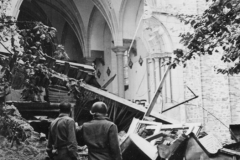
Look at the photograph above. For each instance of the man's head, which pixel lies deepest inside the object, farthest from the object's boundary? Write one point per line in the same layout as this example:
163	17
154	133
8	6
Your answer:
99	108
65	107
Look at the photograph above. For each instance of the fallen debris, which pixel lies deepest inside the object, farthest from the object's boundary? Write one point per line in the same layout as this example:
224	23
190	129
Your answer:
173	142
18	141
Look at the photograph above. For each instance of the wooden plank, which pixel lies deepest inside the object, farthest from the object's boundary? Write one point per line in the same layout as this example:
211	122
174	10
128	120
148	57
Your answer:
148	61
57	90
110	112
114	97
229	151
88	68
121	112
125	114
115	113
186	101
66	68
127	119
59	94
179	126
108	82
129	104
56	87
79	74
157	93
62	98
155	136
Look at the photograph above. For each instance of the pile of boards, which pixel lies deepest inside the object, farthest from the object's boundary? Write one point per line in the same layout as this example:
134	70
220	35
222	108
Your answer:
148	140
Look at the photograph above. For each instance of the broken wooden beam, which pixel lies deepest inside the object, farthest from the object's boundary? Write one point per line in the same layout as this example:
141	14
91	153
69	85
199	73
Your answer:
157	93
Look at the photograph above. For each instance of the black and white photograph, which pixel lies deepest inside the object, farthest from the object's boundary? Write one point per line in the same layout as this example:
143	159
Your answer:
119	79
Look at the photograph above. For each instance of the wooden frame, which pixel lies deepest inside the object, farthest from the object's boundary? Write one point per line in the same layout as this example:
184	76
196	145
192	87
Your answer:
138	126
194	128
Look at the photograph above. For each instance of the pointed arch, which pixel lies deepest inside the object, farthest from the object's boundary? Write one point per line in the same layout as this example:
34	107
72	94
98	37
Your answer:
121	17
96	27
129	17
163	39
75	21
109	16
15	5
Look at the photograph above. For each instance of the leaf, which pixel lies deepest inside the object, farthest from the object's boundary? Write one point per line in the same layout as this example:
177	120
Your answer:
229	5
193	22
174	66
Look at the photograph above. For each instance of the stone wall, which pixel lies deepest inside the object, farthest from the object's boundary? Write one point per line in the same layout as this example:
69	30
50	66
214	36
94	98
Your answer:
218	94
192	79
213	107
234	93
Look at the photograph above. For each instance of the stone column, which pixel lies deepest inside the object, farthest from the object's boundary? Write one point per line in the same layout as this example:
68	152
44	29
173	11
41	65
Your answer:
119	50
157	74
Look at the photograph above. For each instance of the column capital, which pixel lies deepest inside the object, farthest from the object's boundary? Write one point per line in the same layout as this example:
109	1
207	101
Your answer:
88	60
118	49
156	58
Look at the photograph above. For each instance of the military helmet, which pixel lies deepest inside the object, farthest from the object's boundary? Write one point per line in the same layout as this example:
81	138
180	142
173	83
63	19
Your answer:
99	107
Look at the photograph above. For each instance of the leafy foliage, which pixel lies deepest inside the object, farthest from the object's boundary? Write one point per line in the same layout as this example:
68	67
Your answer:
29	50
13	126
216	30
60	53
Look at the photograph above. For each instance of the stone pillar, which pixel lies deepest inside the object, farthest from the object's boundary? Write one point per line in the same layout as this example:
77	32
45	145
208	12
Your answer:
119	50
157	74
156	71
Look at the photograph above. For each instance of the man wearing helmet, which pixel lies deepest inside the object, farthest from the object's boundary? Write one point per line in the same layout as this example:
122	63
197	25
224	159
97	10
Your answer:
62	143
100	135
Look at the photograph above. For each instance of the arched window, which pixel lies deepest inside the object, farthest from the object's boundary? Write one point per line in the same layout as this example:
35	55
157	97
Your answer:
159	46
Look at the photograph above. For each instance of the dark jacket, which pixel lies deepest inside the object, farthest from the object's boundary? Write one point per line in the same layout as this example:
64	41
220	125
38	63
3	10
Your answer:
62	136
101	137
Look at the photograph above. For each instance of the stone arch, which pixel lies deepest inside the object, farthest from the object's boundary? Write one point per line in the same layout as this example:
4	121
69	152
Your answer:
96	27
75	21
34	12
129	17
89	30
110	17
15	5
100	43
156	36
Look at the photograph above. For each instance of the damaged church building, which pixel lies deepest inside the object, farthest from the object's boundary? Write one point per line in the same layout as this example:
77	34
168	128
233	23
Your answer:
122	53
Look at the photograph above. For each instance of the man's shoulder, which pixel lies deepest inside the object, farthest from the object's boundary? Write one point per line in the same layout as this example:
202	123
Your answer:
108	121
69	119
104	122
65	118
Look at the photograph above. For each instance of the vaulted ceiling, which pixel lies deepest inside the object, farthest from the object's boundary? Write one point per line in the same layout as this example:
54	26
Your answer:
76	16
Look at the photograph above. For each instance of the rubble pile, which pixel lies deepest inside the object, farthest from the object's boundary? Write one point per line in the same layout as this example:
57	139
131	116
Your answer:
18	141
28	150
